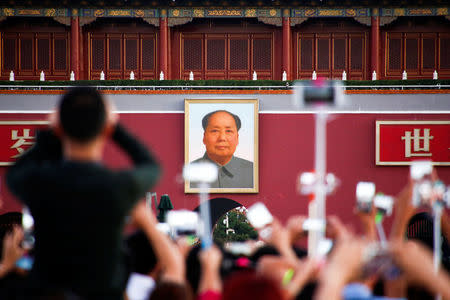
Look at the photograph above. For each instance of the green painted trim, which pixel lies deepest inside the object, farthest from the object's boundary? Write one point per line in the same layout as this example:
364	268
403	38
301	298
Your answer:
83	12
114	13
330	12
414	12
201	12
34	12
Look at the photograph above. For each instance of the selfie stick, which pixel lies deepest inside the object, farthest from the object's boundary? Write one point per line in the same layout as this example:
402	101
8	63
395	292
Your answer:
203	173
437	212
205	215
320	98
380	229
316	208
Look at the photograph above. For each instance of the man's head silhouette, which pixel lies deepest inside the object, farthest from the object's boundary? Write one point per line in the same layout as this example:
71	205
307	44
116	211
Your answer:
82	114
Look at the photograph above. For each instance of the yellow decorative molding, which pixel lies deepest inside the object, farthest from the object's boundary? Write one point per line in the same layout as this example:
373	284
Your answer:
99	12
50	12
443	11
119	13
399	12
250	13
139	13
224	12
8	12
329	12
198	13
350	12
29	12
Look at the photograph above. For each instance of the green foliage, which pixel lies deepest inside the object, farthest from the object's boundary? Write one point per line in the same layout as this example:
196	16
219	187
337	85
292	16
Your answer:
398	82
212	83
237	221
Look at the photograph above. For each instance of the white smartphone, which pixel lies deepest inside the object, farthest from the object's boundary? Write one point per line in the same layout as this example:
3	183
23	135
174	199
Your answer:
259	216
365	191
314	224
420	168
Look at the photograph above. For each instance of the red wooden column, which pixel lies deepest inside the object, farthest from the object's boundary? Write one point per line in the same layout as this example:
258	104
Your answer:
375	44
75	46
163	47
286	47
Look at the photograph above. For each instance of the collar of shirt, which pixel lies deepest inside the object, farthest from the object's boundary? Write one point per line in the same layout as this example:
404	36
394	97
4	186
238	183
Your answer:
230	169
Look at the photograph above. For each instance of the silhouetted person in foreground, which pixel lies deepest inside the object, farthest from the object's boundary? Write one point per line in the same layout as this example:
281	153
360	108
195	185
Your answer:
79	205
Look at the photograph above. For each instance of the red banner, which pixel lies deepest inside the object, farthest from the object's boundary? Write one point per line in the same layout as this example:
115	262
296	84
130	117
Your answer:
17	137
400	142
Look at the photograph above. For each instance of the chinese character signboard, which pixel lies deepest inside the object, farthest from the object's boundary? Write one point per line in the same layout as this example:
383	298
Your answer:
17	137
400	142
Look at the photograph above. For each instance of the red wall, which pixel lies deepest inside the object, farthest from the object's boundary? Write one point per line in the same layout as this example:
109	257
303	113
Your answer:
286	148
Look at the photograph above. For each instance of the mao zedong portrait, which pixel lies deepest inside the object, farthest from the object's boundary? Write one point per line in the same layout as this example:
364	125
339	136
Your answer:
221	137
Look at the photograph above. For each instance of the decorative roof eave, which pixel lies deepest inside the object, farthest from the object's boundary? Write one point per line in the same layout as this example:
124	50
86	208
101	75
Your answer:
330	12
200	12
81	12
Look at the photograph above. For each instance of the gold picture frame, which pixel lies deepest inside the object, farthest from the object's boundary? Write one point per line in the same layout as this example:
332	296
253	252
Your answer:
235	175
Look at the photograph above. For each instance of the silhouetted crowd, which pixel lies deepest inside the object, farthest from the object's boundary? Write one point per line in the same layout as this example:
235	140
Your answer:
76	248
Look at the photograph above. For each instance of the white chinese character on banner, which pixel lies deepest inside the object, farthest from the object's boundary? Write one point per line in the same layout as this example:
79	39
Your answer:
21	141
417	149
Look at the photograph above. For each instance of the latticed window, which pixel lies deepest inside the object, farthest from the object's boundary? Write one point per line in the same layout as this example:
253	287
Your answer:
329	54
115	54
26	54
43	55
238	54
123	53
215	54
60	54
412	53
429	53
395	53
192	54
339	54
9	50
227	56
323	54
356	54
131	56
445	52
262	54
98	54
148	54
417	53
307	55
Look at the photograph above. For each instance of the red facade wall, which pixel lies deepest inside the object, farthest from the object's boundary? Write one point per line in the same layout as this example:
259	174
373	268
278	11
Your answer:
32	45
225	48
329	46
118	47
286	148
418	45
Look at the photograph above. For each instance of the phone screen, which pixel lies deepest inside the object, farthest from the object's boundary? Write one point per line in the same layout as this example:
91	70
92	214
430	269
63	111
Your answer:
25	263
259	216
